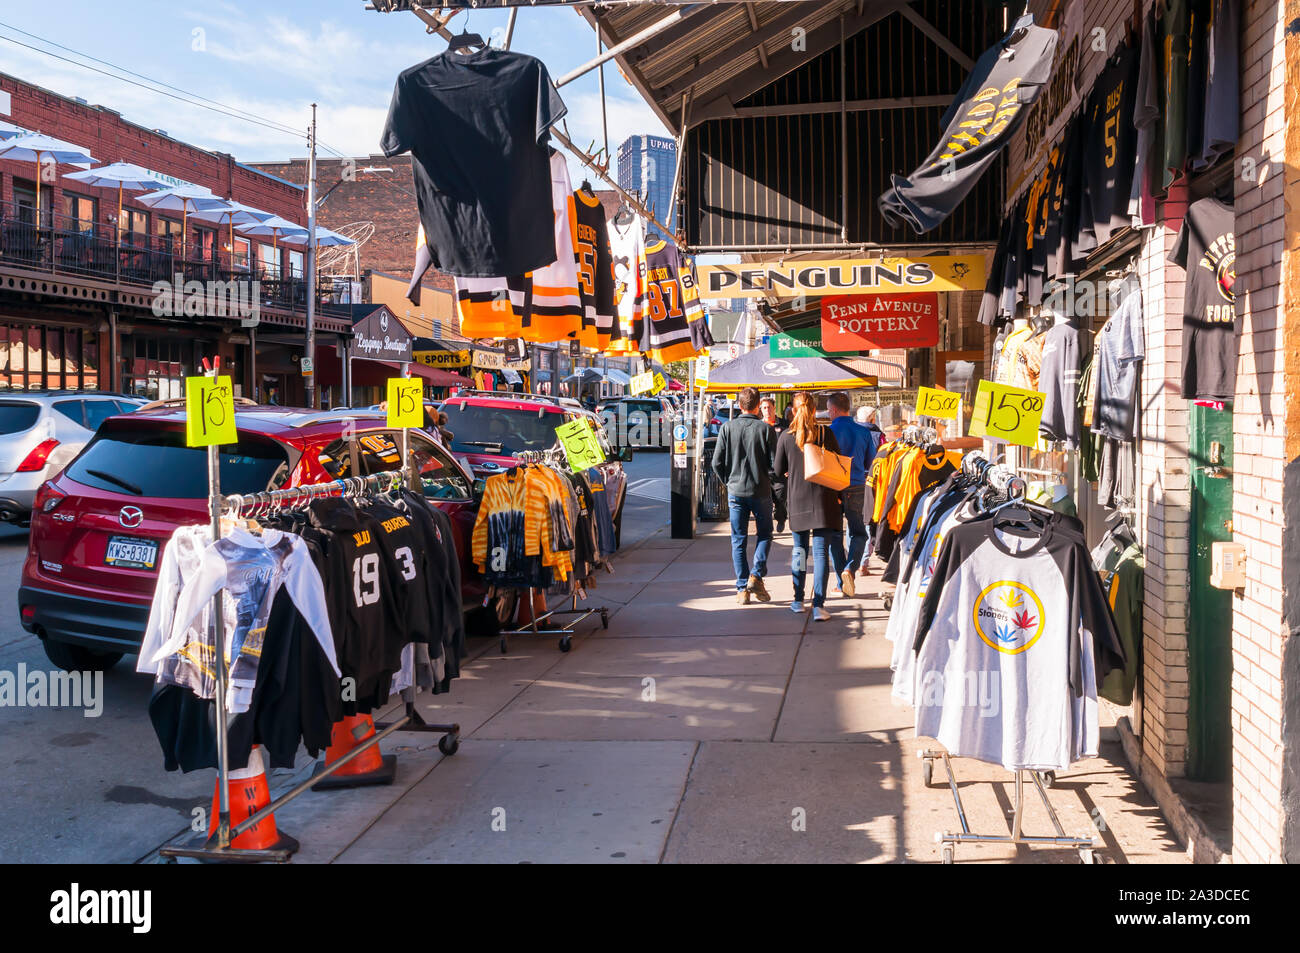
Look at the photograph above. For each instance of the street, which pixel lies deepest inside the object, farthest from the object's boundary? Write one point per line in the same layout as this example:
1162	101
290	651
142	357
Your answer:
93	789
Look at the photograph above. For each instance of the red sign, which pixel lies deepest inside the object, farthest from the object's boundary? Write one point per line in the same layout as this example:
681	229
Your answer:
869	322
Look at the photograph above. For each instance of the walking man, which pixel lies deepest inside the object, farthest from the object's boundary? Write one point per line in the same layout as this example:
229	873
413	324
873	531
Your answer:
742	461
767	410
855	442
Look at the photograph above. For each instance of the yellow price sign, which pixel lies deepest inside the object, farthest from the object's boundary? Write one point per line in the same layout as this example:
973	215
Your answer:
1007	413
209	411
580	445
641	383
405	406
659	384
933	402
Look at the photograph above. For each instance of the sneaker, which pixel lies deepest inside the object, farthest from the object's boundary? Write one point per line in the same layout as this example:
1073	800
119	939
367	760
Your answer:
742	597
820	614
796	606
864	572
849	589
758	589
780	527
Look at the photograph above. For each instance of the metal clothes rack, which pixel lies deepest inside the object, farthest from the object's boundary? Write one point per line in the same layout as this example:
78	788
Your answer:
1007	482
217	847
552	457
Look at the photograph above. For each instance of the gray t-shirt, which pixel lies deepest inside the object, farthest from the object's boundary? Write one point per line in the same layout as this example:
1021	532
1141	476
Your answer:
1119	355
1058	379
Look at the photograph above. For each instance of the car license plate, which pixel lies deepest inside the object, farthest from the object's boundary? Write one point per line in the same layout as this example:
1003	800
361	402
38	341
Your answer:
128	552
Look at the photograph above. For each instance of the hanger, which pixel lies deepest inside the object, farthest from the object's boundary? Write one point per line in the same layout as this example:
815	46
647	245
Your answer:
464	40
586	187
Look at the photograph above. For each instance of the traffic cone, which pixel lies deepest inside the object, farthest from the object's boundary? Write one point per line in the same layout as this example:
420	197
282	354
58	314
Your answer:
249	793
369	767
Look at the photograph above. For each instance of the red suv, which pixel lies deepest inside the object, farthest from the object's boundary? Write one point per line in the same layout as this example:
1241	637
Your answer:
489	427
99	527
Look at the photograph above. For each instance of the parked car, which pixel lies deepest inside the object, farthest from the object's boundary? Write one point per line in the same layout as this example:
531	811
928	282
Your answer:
40	432
99	527
488	429
642	422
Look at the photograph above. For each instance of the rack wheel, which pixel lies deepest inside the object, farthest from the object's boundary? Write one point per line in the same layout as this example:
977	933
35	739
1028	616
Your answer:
1049	778
604	620
889	601
566	643
947	854
1086	856
504	647
927	772
449	744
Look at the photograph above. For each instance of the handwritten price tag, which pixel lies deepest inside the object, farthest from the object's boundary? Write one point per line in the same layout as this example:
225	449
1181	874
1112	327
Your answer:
580	445
209	411
659	384
405	408
641	383
1007	413
932	402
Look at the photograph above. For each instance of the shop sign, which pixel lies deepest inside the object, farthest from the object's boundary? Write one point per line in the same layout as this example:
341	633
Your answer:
879	321
496	361
805	342
443	359
843	276
1007	413
381	337
641	383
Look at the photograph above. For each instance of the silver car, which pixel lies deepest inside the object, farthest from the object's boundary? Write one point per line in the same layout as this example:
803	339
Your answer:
40	432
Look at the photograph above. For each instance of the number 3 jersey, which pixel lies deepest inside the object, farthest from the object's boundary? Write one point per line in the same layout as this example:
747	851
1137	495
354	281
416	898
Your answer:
1014	636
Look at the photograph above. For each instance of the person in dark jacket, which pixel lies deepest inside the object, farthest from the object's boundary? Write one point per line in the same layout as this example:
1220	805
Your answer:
816	513
767	410
742	460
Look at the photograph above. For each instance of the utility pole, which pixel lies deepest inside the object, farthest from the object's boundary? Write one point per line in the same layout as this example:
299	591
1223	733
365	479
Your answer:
309	380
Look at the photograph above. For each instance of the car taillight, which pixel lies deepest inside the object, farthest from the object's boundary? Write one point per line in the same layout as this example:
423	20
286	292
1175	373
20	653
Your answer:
37	459
48	497
716	420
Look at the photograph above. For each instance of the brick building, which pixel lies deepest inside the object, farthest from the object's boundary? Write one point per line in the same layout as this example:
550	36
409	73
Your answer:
75	298
1212	732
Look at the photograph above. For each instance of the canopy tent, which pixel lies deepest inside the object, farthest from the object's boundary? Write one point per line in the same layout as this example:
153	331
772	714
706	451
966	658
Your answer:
759	369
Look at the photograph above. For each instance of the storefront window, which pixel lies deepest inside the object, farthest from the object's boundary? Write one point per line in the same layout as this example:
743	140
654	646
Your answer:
34	358
159	367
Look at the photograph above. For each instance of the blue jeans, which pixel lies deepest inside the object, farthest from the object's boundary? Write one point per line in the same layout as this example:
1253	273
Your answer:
741	507
825	542
853	497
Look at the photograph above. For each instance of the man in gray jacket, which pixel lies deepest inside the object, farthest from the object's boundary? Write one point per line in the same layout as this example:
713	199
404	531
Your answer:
742	460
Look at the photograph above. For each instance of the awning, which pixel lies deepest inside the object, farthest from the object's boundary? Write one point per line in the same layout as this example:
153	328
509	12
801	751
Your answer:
367	372
759	369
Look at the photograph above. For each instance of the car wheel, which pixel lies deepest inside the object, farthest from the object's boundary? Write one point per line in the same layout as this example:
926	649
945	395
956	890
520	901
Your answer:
78	658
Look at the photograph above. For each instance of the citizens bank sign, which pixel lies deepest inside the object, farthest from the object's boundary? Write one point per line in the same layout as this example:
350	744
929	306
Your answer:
843	276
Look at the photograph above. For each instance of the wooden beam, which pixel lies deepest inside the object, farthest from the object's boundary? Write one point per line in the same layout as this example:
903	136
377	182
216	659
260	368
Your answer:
853	105
937	38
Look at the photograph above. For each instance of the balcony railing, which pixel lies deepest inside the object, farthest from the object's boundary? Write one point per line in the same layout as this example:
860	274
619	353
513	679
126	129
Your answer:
63	245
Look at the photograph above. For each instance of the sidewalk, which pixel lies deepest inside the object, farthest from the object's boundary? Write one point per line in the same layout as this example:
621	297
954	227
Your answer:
696	730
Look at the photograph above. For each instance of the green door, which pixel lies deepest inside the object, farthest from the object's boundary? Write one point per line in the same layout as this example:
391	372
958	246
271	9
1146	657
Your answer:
1209	610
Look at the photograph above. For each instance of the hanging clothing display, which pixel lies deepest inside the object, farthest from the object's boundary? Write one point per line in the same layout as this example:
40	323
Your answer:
1111	145
1058	380
673	323
988	109
1117	365
1013	634
627	245
1206	248
478	126
1120	566
595	271
328	610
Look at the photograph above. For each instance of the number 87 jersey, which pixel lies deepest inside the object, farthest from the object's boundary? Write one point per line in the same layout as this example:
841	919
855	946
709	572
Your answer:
675	327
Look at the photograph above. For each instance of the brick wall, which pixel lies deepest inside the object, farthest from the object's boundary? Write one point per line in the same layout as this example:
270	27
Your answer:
1260	432
110	138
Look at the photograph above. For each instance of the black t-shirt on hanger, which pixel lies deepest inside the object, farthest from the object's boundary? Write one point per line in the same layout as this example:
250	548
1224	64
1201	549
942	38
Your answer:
1110	150
1206	248
478	125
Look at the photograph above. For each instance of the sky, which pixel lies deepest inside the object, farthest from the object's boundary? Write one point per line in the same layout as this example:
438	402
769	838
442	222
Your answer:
274	59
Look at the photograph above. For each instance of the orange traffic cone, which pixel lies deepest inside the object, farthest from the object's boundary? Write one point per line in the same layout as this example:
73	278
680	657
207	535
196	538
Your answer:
369	767
249	793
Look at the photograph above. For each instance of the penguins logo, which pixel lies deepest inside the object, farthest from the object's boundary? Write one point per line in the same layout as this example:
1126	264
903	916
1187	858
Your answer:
780	368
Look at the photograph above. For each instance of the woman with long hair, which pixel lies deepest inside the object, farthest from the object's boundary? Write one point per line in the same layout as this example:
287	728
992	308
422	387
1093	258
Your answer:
815	512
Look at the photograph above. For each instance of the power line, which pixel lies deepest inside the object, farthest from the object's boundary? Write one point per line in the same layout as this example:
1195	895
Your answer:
194	99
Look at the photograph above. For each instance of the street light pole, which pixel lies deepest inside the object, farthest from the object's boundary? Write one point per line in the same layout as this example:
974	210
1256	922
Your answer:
309	380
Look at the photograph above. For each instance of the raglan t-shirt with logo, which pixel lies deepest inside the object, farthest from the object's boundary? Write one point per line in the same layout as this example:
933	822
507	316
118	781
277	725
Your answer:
478	125
1206	248
1013	636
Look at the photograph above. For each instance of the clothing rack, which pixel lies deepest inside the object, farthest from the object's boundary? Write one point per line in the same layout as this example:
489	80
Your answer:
217	847
552	457
1007	481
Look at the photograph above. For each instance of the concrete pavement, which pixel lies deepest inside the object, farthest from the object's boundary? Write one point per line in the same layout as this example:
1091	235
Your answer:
695	730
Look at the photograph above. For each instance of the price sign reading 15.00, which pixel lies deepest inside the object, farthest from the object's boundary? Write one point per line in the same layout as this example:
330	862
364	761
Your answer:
405	409
932	402
1007	413
209	411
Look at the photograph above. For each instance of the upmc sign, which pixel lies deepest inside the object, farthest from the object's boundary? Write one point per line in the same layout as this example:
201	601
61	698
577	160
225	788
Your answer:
877	321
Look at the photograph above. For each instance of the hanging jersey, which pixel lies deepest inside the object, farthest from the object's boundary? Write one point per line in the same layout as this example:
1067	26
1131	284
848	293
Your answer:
674	328
595	271
1112	142
627	245
554	310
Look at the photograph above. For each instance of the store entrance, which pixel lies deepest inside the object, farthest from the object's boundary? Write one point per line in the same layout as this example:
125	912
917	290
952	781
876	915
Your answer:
1209	610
